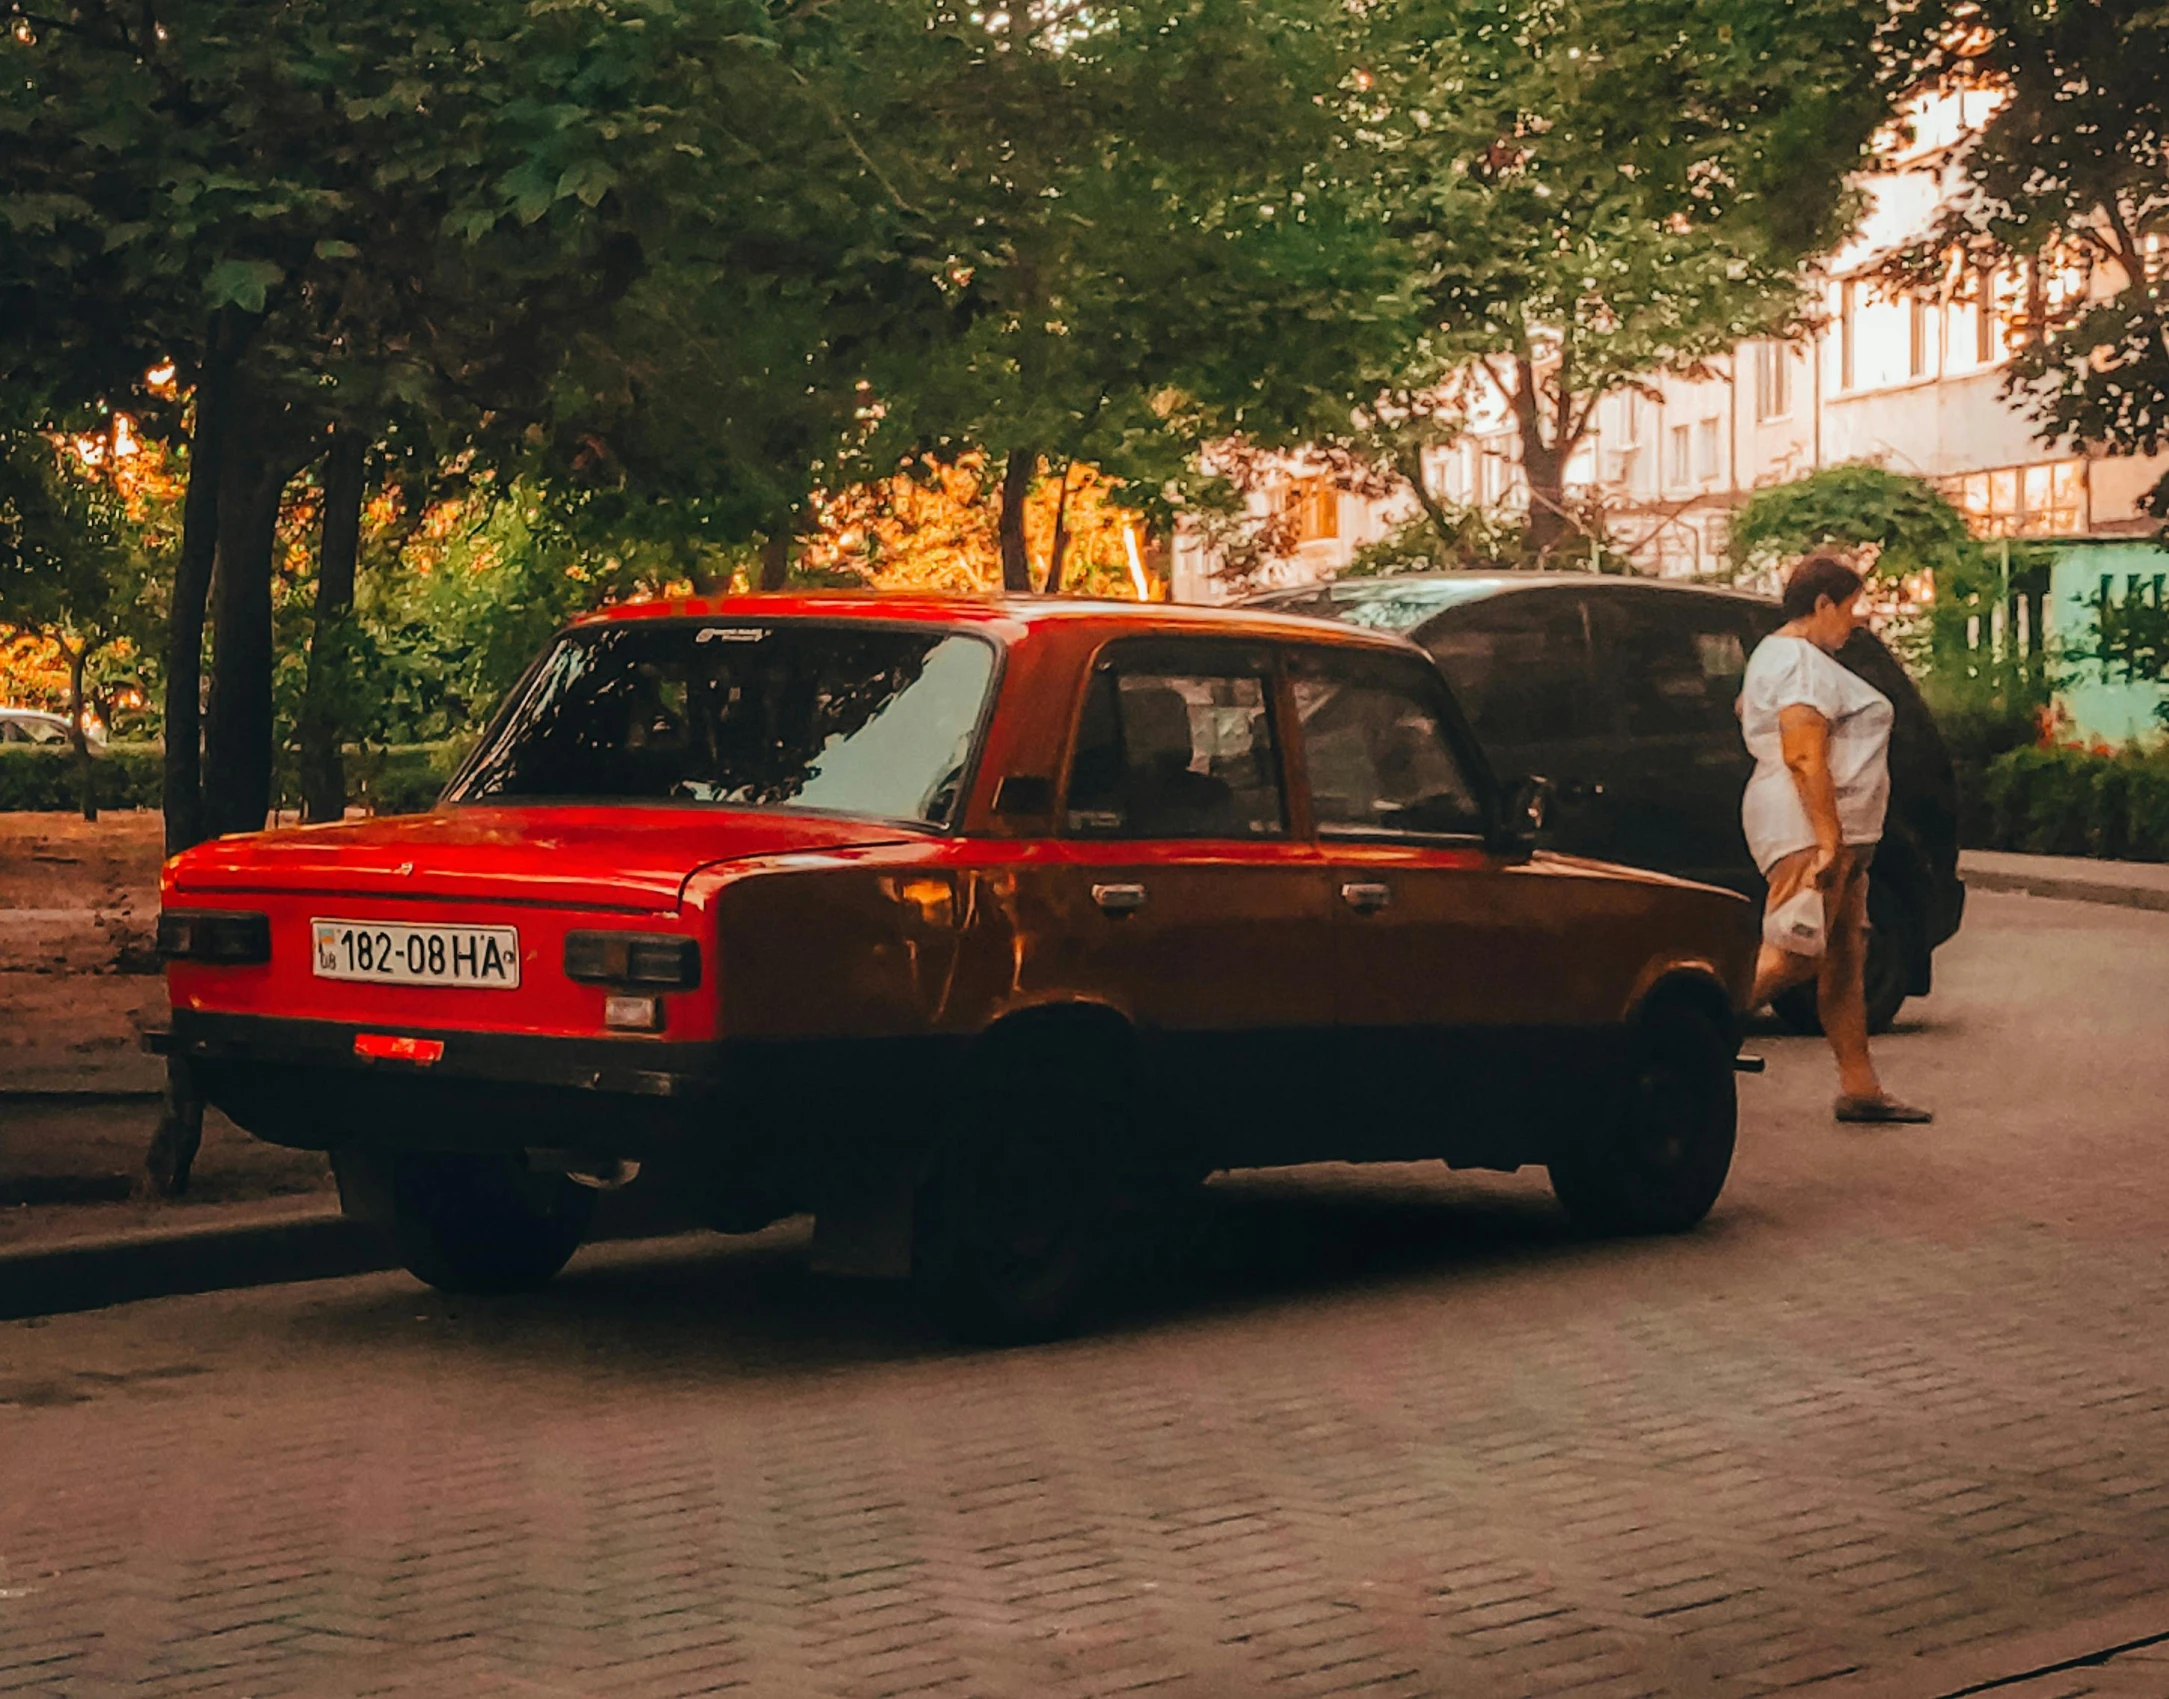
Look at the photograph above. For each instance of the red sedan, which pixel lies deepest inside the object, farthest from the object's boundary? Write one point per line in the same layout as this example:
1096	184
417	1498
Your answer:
966	925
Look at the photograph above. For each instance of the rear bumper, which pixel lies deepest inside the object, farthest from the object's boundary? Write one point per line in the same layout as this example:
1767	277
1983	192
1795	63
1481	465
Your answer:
301	1083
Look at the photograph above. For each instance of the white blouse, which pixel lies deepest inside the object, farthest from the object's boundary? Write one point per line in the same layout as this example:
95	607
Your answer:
1790	672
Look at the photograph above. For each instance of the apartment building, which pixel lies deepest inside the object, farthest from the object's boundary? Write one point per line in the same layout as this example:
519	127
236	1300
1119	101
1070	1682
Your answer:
1910	382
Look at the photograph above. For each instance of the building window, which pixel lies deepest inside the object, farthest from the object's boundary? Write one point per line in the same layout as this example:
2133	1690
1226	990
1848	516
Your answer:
1312	508
1848	334
1984	316
1630	467
1706	449
2044	500
1918	345
1682	454
1773	380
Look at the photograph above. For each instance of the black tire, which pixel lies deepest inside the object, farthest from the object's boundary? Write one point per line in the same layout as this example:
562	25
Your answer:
1013	1224
1659	1158
1893	947
465	1223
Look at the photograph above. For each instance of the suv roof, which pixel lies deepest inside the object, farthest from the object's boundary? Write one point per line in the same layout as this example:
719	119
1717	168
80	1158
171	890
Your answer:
1426	593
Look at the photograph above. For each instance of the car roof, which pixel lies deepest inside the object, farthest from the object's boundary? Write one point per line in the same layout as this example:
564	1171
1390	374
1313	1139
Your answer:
1006	616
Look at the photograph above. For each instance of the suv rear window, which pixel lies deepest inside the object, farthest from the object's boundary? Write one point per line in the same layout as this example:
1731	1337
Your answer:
833	718
1521	668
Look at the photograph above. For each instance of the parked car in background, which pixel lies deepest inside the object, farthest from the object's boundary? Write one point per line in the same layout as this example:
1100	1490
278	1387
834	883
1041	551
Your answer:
20	726
970	927
33	725
1623	693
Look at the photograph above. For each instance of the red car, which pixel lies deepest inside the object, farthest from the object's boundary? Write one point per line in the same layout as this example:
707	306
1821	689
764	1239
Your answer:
969	926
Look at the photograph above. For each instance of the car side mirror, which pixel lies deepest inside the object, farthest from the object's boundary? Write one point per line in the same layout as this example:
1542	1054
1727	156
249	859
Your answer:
1524	811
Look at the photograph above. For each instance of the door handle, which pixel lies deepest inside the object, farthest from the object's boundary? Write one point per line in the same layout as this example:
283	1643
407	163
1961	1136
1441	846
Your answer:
1365	897
1119	899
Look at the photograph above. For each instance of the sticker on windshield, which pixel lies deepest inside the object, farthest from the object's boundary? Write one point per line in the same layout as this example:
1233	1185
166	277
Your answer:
731	634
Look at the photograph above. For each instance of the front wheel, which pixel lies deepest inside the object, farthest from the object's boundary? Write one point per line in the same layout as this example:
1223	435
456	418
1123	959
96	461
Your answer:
1659	1159
475	1223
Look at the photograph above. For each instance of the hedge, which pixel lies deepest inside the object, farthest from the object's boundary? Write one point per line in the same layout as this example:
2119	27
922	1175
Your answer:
403	779
125	775
2075	802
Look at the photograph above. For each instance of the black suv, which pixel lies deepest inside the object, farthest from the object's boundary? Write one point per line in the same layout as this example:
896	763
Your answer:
1622	692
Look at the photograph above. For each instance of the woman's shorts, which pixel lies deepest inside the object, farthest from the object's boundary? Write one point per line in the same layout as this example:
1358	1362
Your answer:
1845	898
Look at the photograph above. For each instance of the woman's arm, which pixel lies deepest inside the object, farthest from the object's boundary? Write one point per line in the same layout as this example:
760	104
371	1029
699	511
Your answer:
1804	735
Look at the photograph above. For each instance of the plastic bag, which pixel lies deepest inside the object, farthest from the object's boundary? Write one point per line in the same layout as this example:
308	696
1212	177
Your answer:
1796	924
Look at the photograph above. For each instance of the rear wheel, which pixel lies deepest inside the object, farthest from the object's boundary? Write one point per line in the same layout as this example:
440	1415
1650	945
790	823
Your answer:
1893	946
1012	1229
1659	1162
472	1223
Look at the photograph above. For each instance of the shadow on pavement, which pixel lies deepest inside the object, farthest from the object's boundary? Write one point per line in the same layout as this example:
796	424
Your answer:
700	1303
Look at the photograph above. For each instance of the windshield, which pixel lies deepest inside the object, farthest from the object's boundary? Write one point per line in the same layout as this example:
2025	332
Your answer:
840	718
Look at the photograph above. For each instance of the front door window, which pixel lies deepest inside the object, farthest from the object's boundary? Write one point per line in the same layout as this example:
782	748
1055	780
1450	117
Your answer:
1380	762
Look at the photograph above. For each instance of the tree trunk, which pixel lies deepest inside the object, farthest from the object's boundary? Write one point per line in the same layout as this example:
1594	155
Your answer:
86	778
1060	546
1543	464
176	1139
237	717
776	557
1016	487
182	775
323	728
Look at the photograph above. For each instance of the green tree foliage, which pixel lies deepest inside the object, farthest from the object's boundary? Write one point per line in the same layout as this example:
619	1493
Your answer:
1594	190
1143	241
72	569
1938	586
331	213
2071	173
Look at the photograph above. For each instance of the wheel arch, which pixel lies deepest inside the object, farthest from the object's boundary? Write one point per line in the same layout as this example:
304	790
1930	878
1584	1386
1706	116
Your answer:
1692	986
1075	1020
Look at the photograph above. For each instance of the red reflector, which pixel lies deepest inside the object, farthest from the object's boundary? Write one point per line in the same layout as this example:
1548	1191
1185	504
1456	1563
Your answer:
383	1047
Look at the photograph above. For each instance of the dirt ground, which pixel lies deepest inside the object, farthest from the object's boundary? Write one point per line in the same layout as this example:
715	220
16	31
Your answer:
78	980
78	987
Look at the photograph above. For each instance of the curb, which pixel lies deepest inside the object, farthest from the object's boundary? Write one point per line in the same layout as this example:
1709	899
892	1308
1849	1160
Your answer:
2068	890
121	1268
176	1262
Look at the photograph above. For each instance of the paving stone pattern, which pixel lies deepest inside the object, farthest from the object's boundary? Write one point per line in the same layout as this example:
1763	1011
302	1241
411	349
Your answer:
1902	1402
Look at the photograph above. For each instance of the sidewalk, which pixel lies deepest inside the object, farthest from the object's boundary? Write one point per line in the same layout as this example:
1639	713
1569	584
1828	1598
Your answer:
2123	884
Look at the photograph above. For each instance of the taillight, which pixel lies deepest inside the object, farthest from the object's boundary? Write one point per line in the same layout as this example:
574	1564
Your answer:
647	959
232	938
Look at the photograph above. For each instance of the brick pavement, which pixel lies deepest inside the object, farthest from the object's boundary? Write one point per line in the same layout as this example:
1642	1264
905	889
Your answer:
1901	1405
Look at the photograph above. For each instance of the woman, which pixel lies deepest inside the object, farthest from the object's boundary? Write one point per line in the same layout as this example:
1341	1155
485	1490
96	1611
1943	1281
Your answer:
1820	736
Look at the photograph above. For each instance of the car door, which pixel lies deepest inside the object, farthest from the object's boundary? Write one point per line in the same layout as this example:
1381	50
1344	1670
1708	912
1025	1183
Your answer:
1182	893
1676	659
1453	972
1524	672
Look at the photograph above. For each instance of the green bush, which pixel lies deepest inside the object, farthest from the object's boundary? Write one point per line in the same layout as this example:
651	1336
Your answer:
2076	802
44	780
403	779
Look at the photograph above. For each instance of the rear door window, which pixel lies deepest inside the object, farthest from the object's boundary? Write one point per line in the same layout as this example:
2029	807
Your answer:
1176	740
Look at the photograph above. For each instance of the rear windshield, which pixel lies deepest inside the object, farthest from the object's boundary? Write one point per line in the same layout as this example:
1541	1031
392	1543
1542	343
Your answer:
835	718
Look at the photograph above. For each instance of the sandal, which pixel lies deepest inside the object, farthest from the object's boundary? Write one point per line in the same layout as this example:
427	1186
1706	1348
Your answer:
1883	1111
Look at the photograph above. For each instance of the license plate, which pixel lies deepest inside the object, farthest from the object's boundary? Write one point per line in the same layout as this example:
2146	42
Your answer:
484	957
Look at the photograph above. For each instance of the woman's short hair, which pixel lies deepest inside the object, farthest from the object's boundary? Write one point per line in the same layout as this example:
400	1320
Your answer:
1823	573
